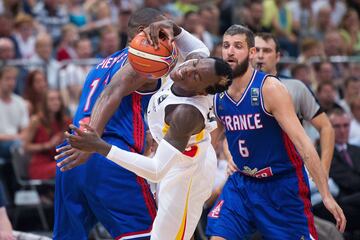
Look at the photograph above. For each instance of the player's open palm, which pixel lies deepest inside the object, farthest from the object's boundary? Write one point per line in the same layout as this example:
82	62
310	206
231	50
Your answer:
336	211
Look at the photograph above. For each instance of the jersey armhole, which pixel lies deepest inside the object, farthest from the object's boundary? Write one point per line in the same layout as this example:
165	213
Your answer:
261	95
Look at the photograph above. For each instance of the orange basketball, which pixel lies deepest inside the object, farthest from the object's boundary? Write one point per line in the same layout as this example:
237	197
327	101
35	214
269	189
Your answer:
151	62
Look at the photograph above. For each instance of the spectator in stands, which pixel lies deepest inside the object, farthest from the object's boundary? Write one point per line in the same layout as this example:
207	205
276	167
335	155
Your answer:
35	89
45	131
351	91
309	48
252	14
192	23
302	72
99	16
326	94
43	59
69	35
73	76
5	225
52	15
24	35
6	28
77	13
7	49
350	31
13	112
337	10
324	72
354	137
277	17
123	19
345	170
303	17
109	42
323	23
210	19
334	44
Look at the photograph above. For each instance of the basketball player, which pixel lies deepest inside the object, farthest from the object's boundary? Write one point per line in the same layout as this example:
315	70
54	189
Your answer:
100	190
270	192
180	119
306	106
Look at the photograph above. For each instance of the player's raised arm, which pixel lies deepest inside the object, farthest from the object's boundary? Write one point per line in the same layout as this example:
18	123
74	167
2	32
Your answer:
278	102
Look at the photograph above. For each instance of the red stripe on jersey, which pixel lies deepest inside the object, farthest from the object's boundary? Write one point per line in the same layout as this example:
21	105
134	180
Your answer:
303	188
138	124
148	197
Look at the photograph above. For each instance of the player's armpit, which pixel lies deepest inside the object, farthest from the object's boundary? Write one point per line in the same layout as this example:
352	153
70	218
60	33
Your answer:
185	121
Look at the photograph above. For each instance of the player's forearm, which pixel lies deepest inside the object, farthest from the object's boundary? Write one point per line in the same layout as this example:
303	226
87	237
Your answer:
104	108
327	142
313	164
189	44
153	169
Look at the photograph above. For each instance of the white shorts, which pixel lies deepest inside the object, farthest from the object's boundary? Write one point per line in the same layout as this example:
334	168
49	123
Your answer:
181	197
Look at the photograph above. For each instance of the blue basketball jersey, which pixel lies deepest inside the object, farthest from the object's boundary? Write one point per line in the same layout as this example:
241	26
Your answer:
260	148
128	122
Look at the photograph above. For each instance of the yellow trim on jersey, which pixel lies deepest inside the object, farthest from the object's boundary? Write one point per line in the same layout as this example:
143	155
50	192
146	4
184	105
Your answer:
181	232
165	129
200	136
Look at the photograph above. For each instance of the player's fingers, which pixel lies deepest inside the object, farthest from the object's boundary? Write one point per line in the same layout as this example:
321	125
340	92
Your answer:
67	160
147	35
342	223
65	153
154	35
70	166
76	130
64	148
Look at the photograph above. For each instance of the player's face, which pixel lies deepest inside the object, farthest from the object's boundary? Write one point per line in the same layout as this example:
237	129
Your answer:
235	50
341	125
195	75
266	57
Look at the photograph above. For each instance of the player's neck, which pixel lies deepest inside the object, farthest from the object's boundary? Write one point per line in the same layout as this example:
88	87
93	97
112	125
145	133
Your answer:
243	80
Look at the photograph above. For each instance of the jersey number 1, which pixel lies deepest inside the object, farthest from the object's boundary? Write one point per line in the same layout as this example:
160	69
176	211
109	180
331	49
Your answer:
93	87
244	152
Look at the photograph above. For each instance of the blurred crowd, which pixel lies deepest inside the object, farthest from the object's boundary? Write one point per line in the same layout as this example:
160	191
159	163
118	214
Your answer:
48	46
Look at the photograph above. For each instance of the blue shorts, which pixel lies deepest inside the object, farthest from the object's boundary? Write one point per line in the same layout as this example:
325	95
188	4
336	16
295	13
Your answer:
102	191
279	208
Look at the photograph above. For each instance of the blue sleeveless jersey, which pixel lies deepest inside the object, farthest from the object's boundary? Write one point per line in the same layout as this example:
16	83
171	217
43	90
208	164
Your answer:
260	148
127	124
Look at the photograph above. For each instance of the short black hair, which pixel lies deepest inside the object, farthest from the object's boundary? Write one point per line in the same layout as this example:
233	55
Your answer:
240	30
223	69
268	36
143	17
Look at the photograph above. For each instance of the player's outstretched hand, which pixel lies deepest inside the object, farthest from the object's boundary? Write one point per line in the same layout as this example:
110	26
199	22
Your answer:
155	30
82	144
337	212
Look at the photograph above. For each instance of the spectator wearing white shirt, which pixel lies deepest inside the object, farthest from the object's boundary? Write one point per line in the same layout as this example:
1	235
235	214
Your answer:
14	116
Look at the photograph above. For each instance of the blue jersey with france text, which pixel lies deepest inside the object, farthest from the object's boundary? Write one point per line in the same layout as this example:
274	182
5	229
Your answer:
260	148
127	123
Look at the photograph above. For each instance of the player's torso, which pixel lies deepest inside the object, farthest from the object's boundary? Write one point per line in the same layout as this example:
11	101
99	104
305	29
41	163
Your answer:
257	143
97	79
165	100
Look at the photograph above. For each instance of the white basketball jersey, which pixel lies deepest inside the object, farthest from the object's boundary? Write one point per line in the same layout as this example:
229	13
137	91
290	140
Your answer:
164	98
188	184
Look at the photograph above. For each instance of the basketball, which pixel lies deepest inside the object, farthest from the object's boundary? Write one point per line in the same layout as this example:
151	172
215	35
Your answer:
150	62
